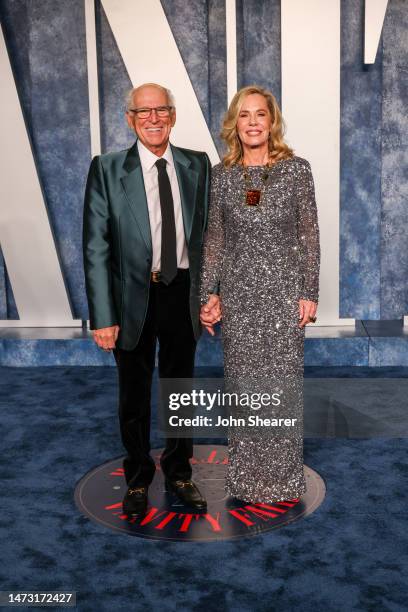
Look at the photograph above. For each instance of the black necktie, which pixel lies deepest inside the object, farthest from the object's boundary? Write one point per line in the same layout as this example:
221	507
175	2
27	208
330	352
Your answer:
168	266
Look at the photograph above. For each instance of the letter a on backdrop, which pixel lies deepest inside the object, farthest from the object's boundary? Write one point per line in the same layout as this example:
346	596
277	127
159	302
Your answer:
150	54
25	233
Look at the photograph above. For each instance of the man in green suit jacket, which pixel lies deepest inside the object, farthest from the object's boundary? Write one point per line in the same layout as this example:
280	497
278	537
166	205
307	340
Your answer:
144	218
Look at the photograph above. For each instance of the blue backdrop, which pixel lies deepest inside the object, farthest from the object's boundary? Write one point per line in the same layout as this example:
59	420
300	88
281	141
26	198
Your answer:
46	42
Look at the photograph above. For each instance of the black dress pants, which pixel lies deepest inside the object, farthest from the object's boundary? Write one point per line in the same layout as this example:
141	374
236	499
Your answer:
167	320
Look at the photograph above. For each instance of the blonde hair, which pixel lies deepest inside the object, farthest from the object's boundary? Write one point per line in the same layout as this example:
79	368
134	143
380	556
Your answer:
278	149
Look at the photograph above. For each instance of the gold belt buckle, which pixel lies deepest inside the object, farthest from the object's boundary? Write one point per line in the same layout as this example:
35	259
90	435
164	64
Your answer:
155	276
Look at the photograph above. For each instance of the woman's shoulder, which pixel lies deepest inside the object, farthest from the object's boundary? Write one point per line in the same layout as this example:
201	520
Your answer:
218	169
295	160
219	174
301	163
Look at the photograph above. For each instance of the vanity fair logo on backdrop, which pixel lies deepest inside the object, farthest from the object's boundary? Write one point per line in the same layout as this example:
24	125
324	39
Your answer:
313	77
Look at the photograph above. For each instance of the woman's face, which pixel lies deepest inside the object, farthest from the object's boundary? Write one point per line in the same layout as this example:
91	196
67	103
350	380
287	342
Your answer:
254	121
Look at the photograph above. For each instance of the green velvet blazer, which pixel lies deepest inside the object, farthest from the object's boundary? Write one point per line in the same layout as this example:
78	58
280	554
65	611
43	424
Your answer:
117	245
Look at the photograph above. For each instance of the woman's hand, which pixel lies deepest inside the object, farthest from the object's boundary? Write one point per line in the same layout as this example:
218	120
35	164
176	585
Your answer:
307	312
210	313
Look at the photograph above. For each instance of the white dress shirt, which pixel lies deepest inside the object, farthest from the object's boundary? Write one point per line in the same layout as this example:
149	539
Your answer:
150	177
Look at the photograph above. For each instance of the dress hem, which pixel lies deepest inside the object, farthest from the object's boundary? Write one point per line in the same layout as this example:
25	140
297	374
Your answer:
255	499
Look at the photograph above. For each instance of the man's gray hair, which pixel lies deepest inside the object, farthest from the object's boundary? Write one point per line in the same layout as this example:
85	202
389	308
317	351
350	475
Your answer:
131	93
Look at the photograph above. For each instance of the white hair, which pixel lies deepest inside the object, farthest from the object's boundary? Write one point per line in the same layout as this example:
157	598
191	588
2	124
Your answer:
131	93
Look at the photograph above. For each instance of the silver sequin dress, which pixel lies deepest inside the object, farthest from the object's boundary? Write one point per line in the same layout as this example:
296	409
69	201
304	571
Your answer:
263	261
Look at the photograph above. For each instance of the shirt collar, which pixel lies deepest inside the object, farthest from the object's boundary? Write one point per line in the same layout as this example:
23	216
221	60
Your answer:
148	159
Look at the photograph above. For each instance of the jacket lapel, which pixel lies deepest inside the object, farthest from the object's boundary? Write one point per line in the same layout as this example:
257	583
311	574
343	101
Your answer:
188	181
133	185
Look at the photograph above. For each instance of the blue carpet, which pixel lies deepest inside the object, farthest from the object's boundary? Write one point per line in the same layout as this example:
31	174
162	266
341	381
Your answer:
58	422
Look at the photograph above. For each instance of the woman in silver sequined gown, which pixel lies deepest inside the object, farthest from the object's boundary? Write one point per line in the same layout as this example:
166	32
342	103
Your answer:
264	263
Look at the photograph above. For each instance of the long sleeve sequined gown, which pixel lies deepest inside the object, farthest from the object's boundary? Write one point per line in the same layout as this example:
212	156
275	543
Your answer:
263	260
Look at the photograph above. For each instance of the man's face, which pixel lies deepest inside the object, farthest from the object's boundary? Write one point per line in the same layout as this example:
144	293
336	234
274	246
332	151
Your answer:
153	132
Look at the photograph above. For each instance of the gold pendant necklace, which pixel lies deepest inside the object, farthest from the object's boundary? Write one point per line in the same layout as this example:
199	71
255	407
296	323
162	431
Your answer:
253	196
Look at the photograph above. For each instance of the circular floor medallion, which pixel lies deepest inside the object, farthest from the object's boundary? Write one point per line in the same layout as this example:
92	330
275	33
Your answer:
99	495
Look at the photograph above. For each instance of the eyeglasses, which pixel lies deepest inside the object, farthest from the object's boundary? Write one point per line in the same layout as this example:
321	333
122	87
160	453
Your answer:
144	113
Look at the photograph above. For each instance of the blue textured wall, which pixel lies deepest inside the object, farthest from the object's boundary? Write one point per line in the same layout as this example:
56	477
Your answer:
259	44
360	163
394	176
374	216
46	41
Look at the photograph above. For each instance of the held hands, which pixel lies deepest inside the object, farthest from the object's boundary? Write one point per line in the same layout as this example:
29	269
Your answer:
210	313
106	337
307	312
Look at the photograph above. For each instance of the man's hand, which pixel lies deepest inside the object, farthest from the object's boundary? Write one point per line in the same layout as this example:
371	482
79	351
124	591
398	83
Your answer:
307	311
106	337
210	313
